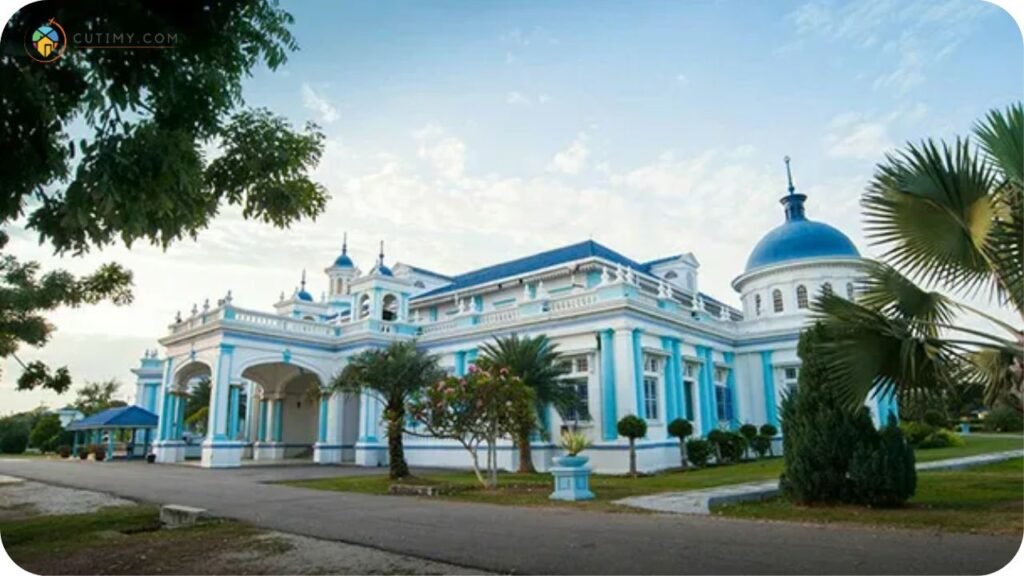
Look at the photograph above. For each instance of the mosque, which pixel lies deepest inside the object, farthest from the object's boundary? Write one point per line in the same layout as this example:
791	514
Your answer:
639	337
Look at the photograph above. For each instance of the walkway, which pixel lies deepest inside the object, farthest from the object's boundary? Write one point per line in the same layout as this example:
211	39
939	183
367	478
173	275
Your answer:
701	501
531	540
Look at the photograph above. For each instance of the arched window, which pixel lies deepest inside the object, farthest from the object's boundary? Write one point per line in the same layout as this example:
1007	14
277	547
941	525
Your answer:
364	306
826	288
390	307
419	284
777	300
757	304
801	296
670	275
849	291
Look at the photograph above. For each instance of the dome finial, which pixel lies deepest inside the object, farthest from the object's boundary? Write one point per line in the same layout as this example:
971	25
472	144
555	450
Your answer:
382	252
344	243
789	176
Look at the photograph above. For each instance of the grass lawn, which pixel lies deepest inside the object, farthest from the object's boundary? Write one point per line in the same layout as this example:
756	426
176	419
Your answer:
125	540
533	489
986	499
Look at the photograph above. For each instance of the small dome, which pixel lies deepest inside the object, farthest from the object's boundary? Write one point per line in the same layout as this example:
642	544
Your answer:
304	296
799	238
381	270
344	261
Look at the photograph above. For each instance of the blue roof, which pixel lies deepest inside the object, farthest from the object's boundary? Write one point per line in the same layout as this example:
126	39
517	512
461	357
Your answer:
527	264
304	296
121	417
381	270
652	263
430	273
799	238
344	261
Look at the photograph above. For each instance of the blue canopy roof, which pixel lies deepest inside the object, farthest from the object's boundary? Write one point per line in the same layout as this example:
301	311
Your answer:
121	417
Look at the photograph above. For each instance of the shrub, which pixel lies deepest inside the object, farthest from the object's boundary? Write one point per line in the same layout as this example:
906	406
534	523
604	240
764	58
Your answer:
698	451
820	433
748	431
83	452
99	452
46	433
769	430
935	419
64	450
731	447
632	427
761	445
715	438
13	436
916	432
1004	419
682	429
941	438
574	442
882	472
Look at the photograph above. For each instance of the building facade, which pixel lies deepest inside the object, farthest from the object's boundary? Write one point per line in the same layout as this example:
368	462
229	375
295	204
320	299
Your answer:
640	338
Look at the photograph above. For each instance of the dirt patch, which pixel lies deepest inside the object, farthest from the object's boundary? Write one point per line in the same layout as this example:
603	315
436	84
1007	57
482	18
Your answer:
45	499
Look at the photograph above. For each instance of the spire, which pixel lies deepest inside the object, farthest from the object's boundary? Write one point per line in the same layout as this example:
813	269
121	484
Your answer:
303	283
792	202
344	244
381	253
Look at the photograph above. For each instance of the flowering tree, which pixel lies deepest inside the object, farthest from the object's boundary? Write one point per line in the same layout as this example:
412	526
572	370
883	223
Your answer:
476	409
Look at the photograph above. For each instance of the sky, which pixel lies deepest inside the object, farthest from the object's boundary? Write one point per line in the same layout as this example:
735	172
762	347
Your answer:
467	133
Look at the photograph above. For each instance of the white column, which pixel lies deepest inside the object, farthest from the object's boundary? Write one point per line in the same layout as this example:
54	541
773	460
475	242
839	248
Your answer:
369	449
330	450
220	451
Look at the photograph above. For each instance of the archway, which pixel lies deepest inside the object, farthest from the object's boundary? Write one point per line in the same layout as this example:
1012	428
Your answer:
189	413
285	412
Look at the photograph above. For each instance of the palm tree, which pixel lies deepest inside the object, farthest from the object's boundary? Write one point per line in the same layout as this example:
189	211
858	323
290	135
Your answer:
537	362
392	375
950	216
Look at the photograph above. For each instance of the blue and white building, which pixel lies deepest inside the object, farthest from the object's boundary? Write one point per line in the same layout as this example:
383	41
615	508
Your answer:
640	337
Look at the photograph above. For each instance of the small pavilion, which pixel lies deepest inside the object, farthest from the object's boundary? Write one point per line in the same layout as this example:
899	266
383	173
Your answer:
138	421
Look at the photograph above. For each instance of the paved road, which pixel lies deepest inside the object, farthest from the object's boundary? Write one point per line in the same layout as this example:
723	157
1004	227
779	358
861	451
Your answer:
510	539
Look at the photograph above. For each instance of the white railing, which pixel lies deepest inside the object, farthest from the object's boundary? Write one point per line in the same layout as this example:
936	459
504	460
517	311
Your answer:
573	302
441	326
499	316
282	323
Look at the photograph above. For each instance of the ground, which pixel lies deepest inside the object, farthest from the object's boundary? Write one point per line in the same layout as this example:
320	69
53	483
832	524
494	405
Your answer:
53	530
987	499
534	489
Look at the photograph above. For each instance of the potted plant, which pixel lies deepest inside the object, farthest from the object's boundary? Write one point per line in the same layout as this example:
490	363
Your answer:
572	476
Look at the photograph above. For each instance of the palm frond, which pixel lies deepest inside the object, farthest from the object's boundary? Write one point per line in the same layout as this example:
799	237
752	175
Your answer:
1002	138
537	362
994	369
885	290
932	209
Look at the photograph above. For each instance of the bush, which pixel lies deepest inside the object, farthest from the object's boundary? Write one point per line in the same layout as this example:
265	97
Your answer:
698	451
632	427
916	432
935	419
13	436
64	450
941	438
769	430
731	447
748	431
680	428
820	433
1004	419
83	452
99	452
761	445
882	472
715	438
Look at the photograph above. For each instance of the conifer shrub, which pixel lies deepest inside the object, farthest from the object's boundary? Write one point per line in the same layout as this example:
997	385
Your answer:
882	470
698	451
761	445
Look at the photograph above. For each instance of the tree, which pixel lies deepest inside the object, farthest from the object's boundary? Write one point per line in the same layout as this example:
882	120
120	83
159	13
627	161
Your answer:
682	429
819	433
141	173
539	365
476	409
393	376
197	405
950	216
632	427
96	397
13	435
46	433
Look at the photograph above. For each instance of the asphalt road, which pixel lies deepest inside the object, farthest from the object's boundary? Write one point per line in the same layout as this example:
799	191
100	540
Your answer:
530	540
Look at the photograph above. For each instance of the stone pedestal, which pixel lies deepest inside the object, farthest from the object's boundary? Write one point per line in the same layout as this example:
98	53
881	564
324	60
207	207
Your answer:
572	479
327	453
222	454
268	451
169	451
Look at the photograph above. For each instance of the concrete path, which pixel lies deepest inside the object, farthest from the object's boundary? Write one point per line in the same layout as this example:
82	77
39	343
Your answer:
531	540
701	501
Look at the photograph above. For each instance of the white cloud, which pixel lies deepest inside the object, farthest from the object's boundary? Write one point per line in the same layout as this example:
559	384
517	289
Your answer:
319	104
446	153
573	159
682	80
514	98
517	98
851	135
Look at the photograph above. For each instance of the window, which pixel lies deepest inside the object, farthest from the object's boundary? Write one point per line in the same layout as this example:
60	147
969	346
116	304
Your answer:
723	396
849	291
757	304
390	312
580	412
790	378
690	372
419	284
651	364
801	296
670	275
364	306
777	300
826	288
650	397
581	364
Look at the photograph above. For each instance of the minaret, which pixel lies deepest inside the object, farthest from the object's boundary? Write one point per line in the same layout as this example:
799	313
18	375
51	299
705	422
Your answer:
341	272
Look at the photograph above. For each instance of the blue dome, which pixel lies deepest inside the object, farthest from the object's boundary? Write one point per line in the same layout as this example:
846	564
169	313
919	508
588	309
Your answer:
344	261
381	270
304	296
799	239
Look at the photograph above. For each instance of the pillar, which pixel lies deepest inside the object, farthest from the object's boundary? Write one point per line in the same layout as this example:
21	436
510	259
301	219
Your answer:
669	380
708	406
261	424
730	384
269	446
768	379
233	414
220	449
609	416
369	450
328	449
278	421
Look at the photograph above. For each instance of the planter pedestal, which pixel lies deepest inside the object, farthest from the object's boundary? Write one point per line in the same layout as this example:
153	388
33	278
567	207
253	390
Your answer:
572	479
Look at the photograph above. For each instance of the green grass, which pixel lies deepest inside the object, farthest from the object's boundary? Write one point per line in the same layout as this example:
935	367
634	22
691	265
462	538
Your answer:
534	489
986	499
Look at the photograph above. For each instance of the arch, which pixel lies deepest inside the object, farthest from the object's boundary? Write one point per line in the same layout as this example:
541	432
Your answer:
188	372
826	288
671	275
389	307
247	367
850	293
419	284
363	309
801	296
757	304
777	300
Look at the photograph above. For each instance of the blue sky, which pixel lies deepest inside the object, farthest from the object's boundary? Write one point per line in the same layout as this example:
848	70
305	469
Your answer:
464	133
